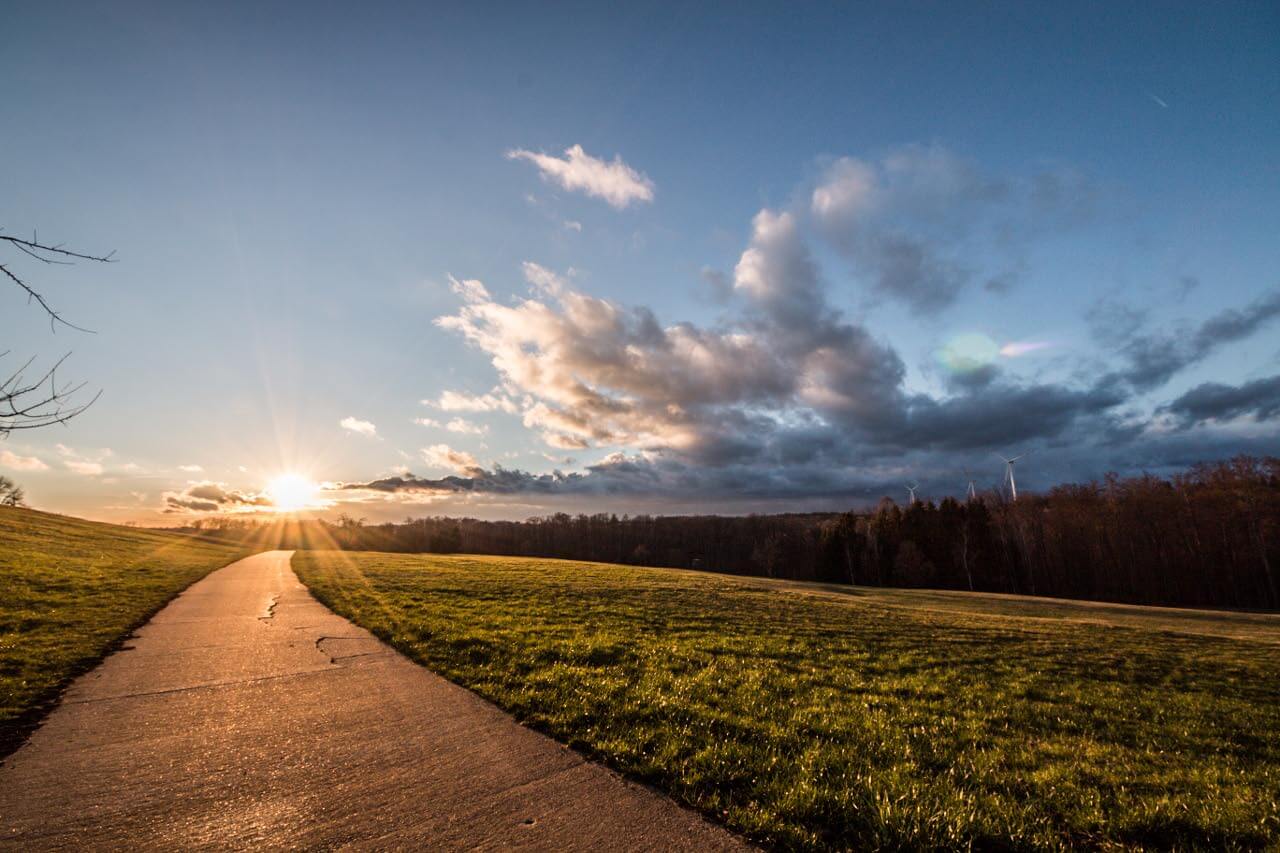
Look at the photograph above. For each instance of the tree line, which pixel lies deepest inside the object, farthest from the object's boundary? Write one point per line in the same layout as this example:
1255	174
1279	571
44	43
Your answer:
1206	537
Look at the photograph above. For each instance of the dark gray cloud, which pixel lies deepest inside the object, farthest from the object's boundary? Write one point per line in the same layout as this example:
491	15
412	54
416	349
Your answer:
498	481
1155	357
177	503
1003	415
637	476
1213	401
212	497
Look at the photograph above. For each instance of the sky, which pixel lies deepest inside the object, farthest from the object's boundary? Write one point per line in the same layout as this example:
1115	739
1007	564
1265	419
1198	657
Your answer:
503	260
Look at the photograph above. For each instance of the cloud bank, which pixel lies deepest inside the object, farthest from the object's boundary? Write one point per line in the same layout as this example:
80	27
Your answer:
209	496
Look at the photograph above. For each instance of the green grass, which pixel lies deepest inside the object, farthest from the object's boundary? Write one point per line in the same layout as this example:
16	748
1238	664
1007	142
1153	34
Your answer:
833	721
70	591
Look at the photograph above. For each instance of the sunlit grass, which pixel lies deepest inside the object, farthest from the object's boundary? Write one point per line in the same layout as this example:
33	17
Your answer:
69	591
812	722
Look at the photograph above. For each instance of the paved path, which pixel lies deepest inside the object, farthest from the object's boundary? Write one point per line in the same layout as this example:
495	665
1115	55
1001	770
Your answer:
246	714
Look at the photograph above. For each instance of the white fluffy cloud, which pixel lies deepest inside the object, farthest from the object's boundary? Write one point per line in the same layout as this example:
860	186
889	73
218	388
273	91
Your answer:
9	459
457	401
597	373
465	427
615	182
85	464
444	456
358	426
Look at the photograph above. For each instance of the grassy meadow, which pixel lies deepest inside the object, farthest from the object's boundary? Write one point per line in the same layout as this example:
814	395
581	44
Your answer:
872	719
70	591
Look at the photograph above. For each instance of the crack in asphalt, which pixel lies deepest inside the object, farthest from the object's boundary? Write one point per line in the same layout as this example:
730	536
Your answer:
271	609
333	659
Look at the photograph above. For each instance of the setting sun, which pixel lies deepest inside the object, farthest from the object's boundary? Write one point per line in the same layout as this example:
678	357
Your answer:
292	492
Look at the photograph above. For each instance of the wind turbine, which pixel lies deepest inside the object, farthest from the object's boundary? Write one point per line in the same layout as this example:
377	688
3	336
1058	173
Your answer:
911	490
1008	474
973	493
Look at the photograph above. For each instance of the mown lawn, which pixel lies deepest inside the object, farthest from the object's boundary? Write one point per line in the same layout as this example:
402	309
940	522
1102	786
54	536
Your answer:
70	590
837	721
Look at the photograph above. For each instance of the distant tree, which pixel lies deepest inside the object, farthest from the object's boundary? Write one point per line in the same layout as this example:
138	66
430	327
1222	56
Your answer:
447	541
11	493
769	554
840	548
33	400
1207	537
911	567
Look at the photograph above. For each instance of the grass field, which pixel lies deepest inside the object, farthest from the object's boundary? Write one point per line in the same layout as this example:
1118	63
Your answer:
69	591
881	720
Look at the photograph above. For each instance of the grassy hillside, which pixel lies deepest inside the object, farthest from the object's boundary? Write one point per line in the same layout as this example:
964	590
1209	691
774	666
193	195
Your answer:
884	720
71	590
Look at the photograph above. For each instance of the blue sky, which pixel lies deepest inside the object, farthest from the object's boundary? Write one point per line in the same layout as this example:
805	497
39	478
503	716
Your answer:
289	190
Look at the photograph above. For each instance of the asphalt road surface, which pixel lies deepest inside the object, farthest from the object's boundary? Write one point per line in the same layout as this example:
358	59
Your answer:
248	715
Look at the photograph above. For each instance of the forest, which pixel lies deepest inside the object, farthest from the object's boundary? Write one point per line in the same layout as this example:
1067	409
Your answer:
1203	538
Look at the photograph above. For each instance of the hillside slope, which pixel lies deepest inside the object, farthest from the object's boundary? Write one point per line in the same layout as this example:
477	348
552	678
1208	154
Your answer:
72	590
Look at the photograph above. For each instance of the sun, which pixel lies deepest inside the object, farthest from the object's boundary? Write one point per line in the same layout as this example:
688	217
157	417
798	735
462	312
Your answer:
292	492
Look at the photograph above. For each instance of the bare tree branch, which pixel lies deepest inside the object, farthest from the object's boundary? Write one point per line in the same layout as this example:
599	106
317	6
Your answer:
40	402
41	251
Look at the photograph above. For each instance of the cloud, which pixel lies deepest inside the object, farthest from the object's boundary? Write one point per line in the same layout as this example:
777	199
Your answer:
178	503
466	427
1112	323
426	422
190	469
90	464
1213	401
9	459
1002	415
1155	357
457	401
617	473
786	378
786	395
359	427
444	456
209	496
573	225
921	224
615	182
630	476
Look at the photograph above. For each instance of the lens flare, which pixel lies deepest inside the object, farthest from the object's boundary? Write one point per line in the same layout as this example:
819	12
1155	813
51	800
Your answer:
291	492
1013	349
968	352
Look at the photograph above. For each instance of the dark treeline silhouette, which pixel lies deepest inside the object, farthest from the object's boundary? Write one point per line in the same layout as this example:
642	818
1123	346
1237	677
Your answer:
1207	537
